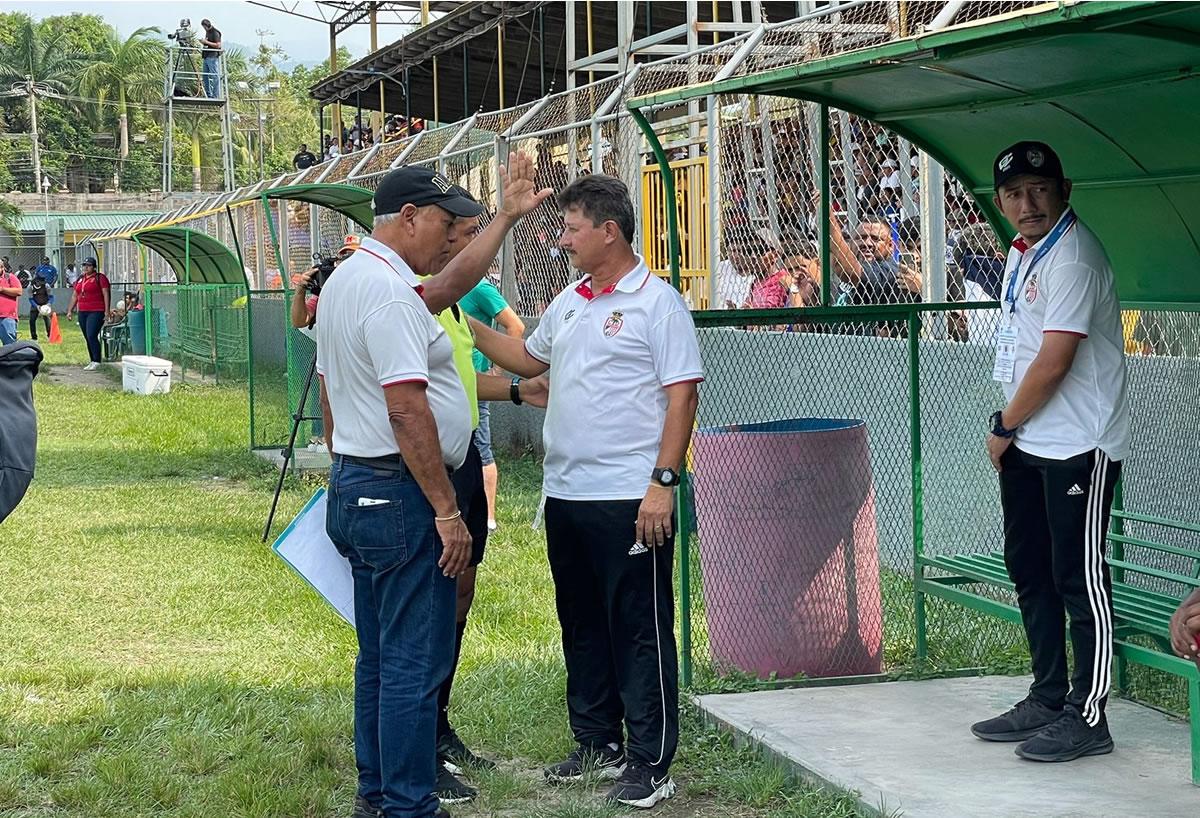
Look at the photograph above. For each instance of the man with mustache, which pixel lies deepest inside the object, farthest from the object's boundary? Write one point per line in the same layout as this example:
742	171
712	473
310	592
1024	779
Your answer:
1058	446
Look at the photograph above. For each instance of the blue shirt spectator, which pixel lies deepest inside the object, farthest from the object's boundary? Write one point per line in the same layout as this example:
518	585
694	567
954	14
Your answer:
47	271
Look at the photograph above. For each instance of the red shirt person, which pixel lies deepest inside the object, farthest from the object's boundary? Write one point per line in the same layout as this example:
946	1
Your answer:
91	299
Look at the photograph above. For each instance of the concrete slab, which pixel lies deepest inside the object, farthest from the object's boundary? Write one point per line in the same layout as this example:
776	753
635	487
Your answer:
907	746
302	459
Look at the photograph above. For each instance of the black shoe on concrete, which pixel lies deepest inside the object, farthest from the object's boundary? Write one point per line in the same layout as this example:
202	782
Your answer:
1069	738
1024	720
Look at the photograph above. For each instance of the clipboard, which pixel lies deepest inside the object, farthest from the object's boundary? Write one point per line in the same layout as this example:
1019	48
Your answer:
308	551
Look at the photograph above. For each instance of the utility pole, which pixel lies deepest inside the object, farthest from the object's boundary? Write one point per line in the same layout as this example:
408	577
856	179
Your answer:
33	131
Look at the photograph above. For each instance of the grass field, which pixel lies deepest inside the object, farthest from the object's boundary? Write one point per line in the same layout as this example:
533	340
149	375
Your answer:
158	660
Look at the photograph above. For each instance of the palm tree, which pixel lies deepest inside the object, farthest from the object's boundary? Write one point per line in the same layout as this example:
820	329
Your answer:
10	220
202	132
41	63
130	70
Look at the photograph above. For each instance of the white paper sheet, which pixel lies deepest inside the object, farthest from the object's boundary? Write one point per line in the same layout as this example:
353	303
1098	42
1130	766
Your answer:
306	547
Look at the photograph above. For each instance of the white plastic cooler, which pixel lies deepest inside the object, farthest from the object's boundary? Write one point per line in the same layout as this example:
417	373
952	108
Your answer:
145	374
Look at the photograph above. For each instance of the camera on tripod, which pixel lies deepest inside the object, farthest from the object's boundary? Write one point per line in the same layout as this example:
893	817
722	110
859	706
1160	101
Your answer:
184	36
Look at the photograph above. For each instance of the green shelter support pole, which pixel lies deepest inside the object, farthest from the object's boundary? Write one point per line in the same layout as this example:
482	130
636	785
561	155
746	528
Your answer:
918	499
284	284
147	299
826	251
237	248
668	178
683	535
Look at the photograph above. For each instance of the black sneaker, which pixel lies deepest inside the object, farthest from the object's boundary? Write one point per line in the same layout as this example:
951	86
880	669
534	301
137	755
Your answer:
607	762
1067	739
455	756
452	791
639	787
365	809
1025	720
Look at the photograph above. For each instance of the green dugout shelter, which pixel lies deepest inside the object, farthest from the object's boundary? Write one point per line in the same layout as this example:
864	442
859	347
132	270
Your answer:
1114	87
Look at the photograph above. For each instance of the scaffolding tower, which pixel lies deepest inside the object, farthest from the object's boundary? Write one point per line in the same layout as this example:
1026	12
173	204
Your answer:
193	92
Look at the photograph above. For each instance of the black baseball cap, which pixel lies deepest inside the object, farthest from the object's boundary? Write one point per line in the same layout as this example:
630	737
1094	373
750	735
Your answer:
421	187
1032	158
89	261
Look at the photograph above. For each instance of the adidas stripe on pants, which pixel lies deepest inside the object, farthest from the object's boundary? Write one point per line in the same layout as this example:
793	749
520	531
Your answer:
616	607
1056	516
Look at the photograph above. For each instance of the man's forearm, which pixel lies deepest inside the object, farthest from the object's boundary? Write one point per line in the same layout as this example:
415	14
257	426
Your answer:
417	436
299	310
506	352
466	269
1038	386
498	387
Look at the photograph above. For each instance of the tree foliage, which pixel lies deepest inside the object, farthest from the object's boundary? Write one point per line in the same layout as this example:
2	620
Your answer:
101	121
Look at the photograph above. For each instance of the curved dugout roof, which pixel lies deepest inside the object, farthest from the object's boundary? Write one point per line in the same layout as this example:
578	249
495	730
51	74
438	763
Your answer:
350	200
1113	87
196	258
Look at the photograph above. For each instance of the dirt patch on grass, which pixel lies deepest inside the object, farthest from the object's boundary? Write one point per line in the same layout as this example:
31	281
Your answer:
108	376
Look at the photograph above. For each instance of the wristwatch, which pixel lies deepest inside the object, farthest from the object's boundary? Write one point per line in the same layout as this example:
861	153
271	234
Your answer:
998	426
665	477
514	391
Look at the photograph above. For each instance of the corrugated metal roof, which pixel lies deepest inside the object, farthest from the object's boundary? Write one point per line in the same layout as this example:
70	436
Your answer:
92	220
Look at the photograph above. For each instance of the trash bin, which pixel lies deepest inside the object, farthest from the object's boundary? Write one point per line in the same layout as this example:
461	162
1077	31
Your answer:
137	329
789	557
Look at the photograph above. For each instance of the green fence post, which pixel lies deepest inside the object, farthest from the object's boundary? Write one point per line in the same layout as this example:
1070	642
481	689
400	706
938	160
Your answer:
918	499
285	285
147	292
683	535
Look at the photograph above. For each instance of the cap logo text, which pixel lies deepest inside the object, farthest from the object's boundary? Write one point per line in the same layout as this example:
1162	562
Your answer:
1005	162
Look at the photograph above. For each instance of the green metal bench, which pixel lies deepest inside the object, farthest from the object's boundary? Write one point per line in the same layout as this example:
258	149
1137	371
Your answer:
1138	612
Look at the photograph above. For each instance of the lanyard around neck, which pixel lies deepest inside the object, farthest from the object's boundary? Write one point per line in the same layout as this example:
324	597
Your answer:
1060	230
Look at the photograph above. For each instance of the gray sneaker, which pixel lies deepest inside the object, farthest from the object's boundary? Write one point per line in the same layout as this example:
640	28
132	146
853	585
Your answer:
1025	720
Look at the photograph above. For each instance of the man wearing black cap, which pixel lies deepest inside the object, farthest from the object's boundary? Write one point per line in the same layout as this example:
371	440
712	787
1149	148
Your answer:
1058	446
398	424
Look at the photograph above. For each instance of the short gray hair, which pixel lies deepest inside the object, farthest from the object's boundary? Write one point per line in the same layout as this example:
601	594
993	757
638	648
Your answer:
384	220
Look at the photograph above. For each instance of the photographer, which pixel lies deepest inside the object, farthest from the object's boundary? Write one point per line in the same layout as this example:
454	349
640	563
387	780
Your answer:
211	53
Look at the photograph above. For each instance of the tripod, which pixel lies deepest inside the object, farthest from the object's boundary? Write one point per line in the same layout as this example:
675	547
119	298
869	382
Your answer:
298	417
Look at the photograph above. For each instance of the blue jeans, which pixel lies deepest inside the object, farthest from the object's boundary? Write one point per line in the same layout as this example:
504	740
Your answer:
210	77
90	323
8	331
404	613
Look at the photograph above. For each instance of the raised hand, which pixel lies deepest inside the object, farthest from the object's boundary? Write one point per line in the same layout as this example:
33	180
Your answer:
521	194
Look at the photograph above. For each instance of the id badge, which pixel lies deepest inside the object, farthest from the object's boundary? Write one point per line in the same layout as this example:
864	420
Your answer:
1006	355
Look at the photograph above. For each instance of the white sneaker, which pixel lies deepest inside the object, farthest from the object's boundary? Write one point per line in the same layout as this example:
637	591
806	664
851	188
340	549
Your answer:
491	525
91	367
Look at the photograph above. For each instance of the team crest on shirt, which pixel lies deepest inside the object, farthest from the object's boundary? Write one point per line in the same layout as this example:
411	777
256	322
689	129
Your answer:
1031	290
613	324
567	317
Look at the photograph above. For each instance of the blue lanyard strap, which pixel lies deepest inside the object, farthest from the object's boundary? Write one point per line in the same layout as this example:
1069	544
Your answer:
1060	229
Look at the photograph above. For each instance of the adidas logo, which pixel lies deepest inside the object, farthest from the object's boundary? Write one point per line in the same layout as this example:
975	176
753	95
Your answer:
1074	491
637	548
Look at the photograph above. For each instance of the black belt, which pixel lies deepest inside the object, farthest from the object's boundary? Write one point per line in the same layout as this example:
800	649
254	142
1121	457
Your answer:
387	462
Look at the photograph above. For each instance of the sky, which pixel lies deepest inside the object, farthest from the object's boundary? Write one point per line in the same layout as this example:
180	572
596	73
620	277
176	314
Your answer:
305	41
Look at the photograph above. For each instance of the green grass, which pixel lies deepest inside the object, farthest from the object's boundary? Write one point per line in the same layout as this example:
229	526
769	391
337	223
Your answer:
158	660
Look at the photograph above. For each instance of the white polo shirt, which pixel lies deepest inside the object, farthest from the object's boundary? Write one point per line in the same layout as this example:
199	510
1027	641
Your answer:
611	354
375	331
1071	289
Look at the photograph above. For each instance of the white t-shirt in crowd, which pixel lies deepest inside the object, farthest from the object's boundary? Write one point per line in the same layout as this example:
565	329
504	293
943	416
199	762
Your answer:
375	331
1071	289
732	287
611	355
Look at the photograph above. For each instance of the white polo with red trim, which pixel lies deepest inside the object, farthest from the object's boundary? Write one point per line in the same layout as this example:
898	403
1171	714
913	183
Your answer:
375	331
611	354
1071	289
